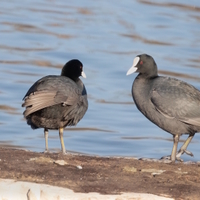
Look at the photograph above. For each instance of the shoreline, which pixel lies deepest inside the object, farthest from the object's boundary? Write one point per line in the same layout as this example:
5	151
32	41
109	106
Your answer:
107	177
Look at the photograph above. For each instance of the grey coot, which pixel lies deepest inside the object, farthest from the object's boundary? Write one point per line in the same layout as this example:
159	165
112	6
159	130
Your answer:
171	104
54	102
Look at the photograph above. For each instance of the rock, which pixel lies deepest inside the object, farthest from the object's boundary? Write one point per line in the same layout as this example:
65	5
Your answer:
153	171
130	169
60	162
19	190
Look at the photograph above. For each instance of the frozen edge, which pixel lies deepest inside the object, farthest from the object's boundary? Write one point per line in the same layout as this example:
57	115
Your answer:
19	190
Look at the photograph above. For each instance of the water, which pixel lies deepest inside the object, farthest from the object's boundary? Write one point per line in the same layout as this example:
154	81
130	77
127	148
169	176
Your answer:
38	37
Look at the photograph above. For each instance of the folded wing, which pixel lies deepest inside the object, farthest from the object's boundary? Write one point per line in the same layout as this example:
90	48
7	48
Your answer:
178	100
48	92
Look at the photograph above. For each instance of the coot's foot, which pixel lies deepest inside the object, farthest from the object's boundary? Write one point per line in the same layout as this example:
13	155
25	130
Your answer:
178	155
169	158
182	151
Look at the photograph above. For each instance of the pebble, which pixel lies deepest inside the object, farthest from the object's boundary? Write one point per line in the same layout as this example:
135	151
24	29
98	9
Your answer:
79	167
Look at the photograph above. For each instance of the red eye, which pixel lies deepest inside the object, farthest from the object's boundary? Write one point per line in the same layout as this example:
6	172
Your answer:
141	62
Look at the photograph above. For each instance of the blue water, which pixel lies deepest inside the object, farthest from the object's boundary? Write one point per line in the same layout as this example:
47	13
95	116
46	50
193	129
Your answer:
38	37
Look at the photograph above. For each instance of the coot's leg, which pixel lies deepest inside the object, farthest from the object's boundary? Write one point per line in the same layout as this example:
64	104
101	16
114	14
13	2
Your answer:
183	150
174	149
46	140
173	157
61	140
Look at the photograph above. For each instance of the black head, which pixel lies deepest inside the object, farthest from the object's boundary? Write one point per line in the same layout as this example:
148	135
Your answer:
73	69
144	65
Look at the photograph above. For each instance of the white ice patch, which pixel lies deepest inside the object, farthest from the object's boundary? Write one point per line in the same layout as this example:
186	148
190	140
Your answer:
83	74
133	68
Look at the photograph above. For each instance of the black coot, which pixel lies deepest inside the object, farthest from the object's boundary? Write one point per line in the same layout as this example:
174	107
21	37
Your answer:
171	104
54	102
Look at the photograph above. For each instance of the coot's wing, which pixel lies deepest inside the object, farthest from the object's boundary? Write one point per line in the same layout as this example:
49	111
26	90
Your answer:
49	91
177	99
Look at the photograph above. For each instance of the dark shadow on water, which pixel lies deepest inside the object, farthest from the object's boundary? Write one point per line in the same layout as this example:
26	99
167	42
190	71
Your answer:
9	109
147	41
181	75
88	129
112	102
152	138
9	144
175	5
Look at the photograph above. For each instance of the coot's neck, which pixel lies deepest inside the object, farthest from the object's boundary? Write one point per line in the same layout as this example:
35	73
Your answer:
146	76
148	71
81	86
75	79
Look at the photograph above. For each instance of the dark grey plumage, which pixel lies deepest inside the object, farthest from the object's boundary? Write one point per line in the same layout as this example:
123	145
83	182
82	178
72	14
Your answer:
54	102
171	104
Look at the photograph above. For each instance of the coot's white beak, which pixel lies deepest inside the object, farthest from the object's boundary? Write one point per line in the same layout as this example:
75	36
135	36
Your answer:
133	68
83	74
